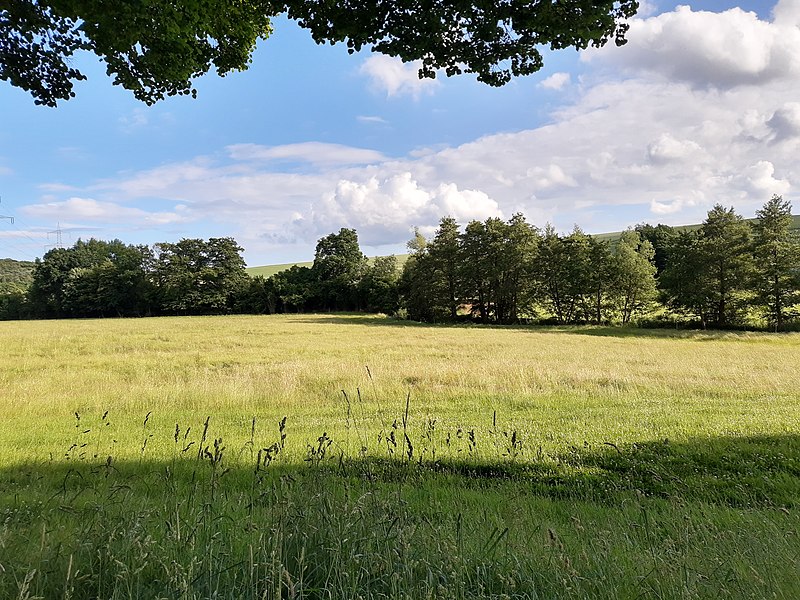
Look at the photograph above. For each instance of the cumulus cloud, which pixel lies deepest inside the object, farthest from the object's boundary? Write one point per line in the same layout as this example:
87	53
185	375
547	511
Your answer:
707	49
787	12
387	209
785	122
665	208
667	149
543	178
677	204
556	81
396	78
760	180
647	8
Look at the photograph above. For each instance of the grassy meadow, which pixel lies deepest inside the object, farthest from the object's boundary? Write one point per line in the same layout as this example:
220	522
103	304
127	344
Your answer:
268	271
337	456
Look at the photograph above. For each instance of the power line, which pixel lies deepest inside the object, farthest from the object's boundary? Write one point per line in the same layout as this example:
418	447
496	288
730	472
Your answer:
8	244
4	216
18	250
25	234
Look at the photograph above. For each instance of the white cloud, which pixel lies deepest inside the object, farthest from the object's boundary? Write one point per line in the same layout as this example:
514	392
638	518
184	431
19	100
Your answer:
677	204
646	8
88	209
396	78
665	208
556	81
667	149
707	49
387	209
316	153
787	12
785	122
56	188
14	234
549	177
760	180
371	119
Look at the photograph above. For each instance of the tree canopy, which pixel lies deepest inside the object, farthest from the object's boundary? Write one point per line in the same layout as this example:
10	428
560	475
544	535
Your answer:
155	48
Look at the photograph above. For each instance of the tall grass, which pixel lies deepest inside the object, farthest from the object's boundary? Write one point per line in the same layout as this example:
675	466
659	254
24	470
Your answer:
344	457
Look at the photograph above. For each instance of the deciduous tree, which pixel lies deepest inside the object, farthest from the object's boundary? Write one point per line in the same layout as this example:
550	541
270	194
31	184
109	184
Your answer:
156	48
681	281
338	268
198	276
634	274
378	286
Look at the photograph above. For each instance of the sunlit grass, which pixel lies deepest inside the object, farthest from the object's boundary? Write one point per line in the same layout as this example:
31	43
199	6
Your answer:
540	462
575	384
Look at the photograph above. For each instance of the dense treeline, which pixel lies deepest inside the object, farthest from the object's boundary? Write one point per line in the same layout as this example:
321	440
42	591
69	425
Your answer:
340	279
499	271
97	278
103	279
725	273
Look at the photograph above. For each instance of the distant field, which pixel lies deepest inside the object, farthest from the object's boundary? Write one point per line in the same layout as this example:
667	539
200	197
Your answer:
145	458
270	270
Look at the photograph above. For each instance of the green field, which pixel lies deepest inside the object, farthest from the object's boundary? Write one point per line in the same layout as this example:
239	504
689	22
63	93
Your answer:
146	459
267	271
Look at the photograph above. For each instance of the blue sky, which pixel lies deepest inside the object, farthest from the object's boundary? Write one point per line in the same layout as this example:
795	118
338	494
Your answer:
700	107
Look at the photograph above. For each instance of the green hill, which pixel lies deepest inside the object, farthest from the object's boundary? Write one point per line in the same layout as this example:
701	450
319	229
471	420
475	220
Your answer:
267	271
15	275
270	270
615	234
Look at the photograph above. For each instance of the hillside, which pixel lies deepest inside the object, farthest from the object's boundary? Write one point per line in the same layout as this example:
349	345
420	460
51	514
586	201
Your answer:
15	275
270	270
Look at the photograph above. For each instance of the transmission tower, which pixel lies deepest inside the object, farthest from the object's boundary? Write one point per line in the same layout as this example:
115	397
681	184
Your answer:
57	233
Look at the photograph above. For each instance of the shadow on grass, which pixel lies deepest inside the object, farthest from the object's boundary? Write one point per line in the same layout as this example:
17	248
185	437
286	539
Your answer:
591	330
755	471
335	527
734	471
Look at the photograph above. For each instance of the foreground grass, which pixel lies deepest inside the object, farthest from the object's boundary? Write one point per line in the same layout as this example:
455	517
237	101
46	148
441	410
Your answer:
145	459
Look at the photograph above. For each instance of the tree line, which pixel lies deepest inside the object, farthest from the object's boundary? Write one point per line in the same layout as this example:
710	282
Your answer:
98	278
726	272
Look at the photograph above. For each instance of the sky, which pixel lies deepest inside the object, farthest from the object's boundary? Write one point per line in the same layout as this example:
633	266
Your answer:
702	106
